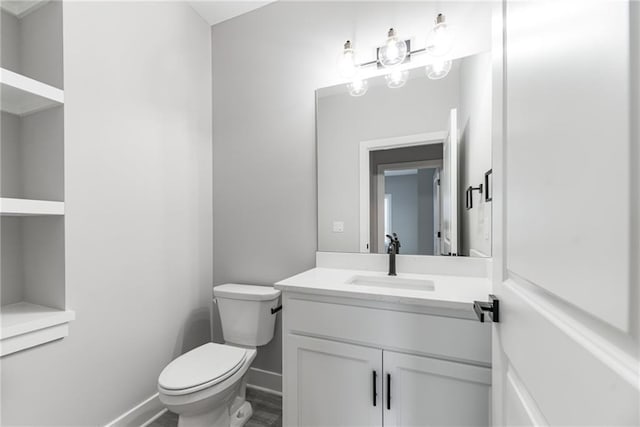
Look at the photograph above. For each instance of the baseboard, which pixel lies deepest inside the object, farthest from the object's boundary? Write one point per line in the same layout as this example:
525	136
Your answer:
140	415
268	381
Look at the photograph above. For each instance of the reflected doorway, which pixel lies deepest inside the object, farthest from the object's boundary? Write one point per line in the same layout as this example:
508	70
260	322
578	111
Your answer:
407	196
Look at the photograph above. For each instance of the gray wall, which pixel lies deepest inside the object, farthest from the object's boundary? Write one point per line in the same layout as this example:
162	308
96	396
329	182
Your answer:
404	209
32	45
138	214
266	67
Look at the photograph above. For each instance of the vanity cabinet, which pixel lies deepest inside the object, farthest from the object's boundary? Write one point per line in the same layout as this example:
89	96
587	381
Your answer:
429	392
350	385
333	384
352	362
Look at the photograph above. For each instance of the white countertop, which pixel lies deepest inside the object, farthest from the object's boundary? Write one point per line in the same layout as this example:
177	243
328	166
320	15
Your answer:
449	291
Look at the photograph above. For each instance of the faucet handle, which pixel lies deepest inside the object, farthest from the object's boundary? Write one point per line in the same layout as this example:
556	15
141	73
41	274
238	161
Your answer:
396	240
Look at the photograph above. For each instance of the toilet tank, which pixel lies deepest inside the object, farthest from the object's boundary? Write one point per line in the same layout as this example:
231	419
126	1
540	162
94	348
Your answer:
245	312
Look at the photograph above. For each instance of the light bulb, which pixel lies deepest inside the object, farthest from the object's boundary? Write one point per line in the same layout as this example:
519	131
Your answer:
440	38
438	69
358	87
394	50
397	78
347	66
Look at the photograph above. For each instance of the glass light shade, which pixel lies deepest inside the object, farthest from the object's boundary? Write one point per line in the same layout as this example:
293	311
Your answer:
394	50
347	65
397	78
358	87
438	69
440	38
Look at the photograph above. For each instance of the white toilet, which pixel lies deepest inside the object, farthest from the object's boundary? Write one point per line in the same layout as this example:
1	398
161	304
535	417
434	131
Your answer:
206	386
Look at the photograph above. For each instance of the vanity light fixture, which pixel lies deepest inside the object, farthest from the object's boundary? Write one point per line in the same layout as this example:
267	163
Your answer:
396	51
358	86
438	69
393	51
397	78
347	66
440	38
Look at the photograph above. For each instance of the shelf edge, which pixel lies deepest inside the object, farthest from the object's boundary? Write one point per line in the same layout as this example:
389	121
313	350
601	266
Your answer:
29	207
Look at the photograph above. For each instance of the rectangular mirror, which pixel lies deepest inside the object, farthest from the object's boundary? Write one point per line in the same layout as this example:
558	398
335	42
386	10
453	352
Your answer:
414	161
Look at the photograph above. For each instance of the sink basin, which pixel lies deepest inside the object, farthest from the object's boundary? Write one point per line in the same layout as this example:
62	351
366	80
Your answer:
392	282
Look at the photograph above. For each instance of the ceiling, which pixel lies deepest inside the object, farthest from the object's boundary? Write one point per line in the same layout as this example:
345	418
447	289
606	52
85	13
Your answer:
215	11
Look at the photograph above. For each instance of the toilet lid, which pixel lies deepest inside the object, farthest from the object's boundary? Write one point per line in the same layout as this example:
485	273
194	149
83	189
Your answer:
202	365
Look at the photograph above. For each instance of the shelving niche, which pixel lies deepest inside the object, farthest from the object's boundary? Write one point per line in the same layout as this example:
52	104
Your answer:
33	297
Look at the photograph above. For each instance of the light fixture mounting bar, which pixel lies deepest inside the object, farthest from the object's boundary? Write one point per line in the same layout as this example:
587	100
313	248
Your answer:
407	59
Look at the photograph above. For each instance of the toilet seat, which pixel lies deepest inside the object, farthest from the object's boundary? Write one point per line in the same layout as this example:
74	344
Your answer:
201	368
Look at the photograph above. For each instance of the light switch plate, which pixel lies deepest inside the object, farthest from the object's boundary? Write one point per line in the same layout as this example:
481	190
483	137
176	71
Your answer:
338	226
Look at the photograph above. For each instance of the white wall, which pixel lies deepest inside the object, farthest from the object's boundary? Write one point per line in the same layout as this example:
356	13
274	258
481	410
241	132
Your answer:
266	67
474	118
138	223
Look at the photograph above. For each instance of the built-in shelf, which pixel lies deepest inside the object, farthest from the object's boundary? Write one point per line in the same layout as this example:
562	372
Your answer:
22	95
21	8
26	325
26	207
32	251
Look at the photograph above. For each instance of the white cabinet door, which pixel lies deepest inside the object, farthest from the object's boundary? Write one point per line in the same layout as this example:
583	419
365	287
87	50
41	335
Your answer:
431	392
332	384
566	248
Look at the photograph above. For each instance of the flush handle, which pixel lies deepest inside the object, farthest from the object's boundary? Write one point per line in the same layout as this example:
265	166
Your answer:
276	309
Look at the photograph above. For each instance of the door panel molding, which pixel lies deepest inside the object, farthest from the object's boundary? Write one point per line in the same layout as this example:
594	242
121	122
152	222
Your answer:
591	333
588	389
520	408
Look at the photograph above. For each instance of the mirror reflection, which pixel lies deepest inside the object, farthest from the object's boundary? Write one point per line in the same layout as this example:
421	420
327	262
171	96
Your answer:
412	163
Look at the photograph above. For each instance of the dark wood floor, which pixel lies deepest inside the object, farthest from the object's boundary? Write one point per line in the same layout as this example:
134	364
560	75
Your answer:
267	411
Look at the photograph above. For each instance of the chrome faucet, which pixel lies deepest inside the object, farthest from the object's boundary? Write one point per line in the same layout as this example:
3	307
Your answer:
392	249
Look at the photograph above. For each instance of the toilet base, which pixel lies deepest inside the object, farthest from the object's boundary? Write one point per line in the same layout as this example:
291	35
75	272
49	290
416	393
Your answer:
217	418
240	417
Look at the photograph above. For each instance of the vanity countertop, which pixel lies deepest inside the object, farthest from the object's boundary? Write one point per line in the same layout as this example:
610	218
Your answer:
453	292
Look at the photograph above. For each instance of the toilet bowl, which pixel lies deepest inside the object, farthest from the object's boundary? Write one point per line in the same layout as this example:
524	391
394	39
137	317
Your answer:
206	386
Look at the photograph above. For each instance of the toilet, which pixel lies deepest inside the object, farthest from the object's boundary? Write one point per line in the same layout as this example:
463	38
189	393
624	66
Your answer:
206	386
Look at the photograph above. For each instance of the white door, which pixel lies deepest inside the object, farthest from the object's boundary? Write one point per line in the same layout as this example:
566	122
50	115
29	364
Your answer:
566	349
336	381
449	188
420	391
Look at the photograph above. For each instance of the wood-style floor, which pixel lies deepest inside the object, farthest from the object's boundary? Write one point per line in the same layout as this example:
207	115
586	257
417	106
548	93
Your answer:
267	411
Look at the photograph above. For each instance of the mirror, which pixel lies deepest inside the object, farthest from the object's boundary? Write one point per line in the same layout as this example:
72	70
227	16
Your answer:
414	160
